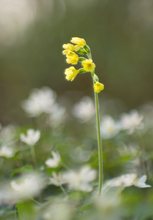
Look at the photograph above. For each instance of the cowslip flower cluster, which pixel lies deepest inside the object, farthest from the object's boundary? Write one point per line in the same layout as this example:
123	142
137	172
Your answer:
78	53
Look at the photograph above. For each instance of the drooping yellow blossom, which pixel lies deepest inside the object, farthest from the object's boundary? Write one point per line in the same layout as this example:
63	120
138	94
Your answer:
88	65
98	87
72	58
71	73
67	48
78	41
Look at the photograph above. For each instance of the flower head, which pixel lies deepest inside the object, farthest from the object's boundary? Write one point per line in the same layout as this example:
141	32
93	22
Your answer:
40	101
131	121
84	110
109	127
56	179
127	180
78	41
54	161
6	151
72	57
31	138
71	73
98	87
81	179
88	65
27	186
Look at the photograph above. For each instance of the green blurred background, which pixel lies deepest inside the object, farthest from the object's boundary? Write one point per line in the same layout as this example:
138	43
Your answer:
120	34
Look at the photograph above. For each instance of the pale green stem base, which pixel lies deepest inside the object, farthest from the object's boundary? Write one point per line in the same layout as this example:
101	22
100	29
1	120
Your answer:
99	141
33	155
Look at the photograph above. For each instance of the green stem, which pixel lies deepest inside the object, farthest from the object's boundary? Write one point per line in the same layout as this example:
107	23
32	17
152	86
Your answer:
33	154
99	141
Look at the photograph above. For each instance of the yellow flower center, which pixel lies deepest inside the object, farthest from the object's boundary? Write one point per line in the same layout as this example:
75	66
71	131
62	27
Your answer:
88	65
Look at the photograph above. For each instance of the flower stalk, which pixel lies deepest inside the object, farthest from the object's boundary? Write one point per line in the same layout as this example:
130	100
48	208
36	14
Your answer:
78	52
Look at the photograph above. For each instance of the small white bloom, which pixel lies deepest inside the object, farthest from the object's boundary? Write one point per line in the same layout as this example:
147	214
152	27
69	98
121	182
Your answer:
40	101
27	186
6	151
127	180
54	161
58	210
84	110
31	138
141	182
131	121
57	179
109	127
81	179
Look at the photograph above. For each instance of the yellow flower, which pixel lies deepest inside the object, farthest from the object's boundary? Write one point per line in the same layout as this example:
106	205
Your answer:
71	73
98	87
72	58
78	41
88	65
68	46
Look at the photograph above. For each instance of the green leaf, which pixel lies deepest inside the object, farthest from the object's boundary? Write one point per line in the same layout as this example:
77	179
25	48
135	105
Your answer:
26	211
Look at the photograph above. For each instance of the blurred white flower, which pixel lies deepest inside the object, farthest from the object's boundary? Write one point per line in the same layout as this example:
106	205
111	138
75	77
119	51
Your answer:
54	161
108	202
7	133
56	179
31	138
40	101
129	150
127	180
6	151
27	186
81	179
58	210
57	115
22	188
109	127
84	110
131	121
141	182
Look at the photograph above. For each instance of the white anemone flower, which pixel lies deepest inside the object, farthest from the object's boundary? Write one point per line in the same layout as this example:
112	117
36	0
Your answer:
84	110
109	127
81	179
127	180
56	179
58	210
40	101
22	188
31	138
54	161
27	186
7	152
131	121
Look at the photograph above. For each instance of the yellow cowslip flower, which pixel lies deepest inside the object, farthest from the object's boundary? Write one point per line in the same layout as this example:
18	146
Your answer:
71	73
78	41
88	65
98	87
68	46
72	58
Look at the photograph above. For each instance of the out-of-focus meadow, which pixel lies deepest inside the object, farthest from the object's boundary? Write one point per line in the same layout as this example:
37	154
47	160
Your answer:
120	34
48	146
